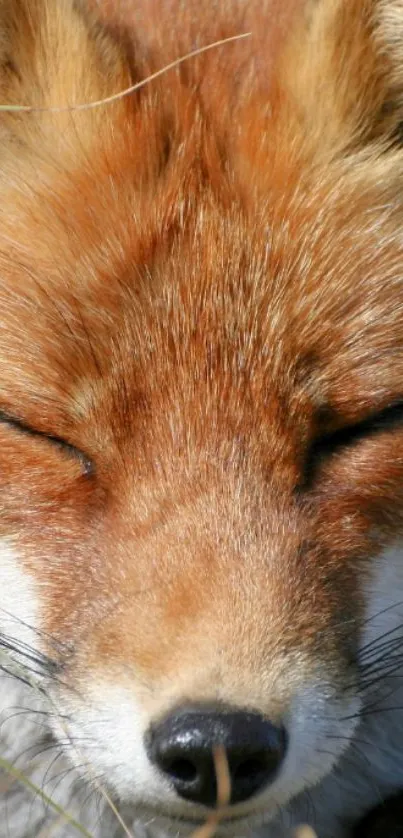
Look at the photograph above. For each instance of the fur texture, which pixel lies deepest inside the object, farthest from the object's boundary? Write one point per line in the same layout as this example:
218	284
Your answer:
201	408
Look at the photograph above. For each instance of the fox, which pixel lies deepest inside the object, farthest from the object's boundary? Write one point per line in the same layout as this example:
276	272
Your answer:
201	415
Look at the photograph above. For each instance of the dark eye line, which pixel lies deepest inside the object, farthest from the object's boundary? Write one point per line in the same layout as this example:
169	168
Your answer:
324	447
24	428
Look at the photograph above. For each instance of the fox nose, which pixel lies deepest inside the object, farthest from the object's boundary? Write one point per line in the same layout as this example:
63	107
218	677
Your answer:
181	746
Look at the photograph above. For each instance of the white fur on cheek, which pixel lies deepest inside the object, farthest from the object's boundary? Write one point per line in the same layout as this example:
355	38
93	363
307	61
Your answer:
111	717
19	600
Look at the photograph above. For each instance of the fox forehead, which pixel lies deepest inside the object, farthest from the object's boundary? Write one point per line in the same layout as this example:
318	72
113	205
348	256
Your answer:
242	261
233	295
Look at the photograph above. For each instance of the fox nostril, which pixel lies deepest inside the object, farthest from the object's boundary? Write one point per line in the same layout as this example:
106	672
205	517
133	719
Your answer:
250	767
181	769
181	746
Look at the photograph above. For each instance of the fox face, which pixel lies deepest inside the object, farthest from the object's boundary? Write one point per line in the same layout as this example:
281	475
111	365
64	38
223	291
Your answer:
201	389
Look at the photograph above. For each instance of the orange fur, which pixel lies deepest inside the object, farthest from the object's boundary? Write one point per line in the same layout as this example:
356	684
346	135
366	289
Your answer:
198	283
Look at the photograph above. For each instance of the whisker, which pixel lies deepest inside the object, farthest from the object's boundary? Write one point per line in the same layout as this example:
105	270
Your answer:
61	646
387	646
382	611
386	669
24	680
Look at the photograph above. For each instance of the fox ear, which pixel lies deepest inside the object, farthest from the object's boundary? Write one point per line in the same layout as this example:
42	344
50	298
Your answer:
344	67
53	55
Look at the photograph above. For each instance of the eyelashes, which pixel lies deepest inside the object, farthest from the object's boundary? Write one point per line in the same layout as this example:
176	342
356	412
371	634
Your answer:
323	448
54	440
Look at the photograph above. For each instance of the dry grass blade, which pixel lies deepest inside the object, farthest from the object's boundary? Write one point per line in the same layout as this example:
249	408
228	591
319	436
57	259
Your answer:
51	830
223	794
7	766
132	89
115	811
223	776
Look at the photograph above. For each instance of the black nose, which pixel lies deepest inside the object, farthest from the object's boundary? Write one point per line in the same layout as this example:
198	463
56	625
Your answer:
181	746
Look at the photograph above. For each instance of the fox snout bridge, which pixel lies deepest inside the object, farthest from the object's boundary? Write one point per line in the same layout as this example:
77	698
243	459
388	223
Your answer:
181	747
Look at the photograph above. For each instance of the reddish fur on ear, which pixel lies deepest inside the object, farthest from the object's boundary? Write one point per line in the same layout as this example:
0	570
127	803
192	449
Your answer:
343	64
52	57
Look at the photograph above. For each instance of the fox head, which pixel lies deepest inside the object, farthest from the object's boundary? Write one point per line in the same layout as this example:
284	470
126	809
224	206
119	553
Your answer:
201	366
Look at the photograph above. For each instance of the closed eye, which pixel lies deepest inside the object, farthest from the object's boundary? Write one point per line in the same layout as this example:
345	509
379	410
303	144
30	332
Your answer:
329	445
24	428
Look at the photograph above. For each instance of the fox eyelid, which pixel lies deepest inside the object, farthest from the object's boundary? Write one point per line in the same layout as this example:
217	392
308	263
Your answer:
330	443
386	419
25	428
